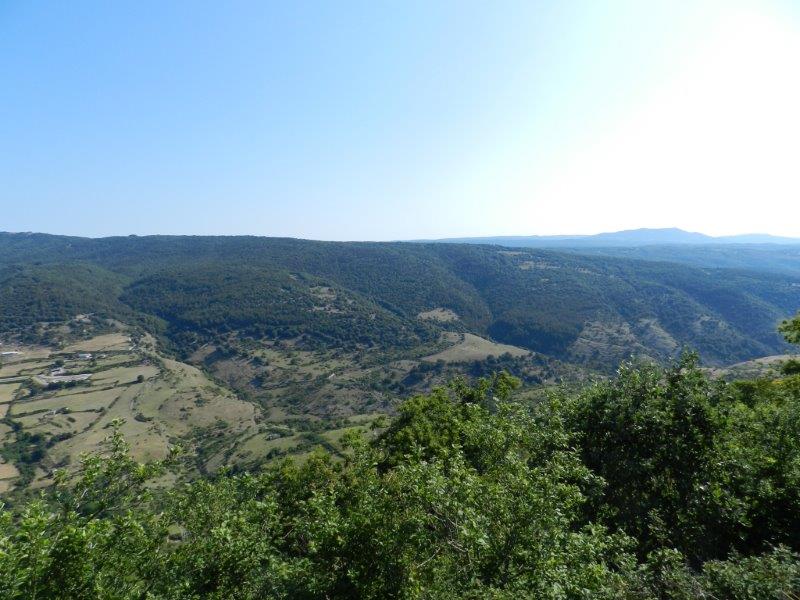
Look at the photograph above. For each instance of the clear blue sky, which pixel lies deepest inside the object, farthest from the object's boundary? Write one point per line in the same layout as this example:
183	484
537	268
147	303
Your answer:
397	120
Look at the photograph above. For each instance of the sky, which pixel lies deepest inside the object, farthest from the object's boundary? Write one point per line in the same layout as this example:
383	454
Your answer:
399	120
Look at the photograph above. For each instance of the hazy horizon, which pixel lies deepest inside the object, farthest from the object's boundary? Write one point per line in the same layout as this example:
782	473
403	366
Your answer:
565	236
420	121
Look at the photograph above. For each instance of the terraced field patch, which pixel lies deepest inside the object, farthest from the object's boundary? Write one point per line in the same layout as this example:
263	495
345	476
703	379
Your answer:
122	375
159	402
89	400
23	368
7	391
8	472
102	343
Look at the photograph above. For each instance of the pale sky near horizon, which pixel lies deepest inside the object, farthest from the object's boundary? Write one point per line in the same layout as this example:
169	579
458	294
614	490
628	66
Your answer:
399	120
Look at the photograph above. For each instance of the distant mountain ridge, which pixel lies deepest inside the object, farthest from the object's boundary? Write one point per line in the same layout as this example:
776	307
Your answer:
625	238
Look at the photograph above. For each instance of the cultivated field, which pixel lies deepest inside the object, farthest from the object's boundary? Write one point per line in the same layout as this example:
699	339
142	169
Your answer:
160	402
236	402
468	347
102	343
7	391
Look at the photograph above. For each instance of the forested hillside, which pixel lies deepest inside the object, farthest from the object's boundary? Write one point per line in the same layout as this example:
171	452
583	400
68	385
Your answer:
596	310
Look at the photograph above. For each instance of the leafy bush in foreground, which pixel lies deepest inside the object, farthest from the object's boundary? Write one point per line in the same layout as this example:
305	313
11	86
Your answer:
658	484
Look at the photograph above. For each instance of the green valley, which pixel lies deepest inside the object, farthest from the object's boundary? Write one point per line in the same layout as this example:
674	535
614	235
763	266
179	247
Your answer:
242	350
